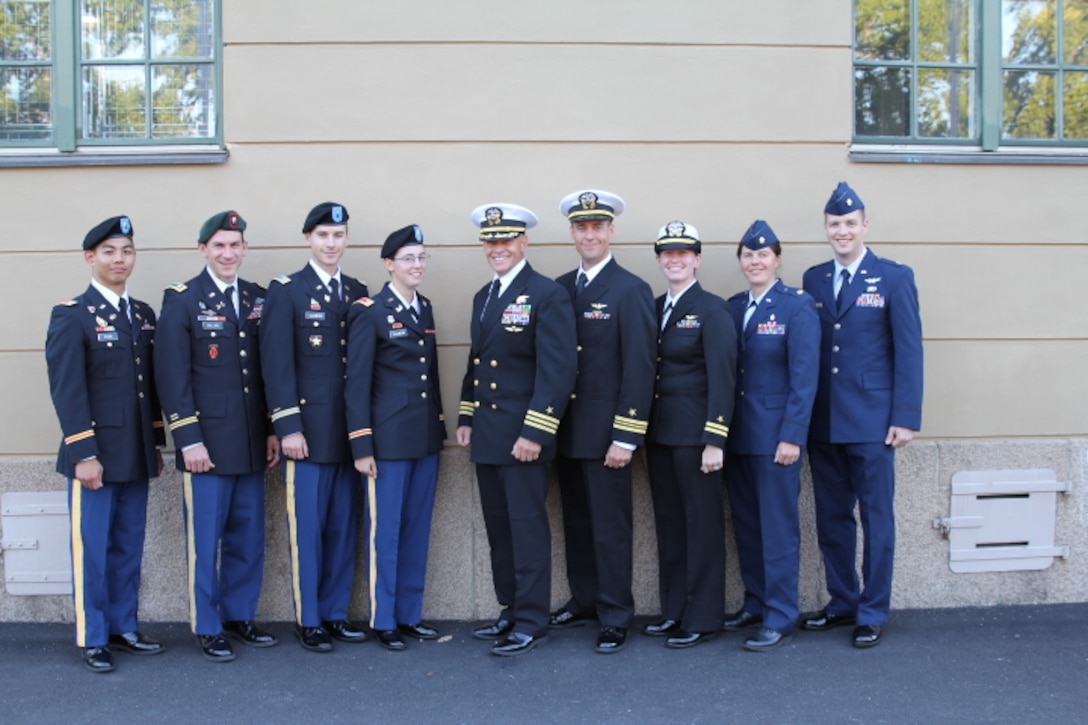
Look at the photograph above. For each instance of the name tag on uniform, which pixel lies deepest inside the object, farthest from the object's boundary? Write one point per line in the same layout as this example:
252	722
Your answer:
211	324
315	315
107	337
394	334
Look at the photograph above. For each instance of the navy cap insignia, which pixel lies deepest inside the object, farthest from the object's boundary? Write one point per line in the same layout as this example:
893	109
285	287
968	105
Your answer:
675	229
588	200
494	216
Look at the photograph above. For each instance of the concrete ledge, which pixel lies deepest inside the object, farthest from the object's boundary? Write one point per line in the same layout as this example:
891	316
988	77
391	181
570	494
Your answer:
459	579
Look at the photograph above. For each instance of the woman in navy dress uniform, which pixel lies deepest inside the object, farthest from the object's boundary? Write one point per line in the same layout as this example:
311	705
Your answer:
689	424
396	428
777	372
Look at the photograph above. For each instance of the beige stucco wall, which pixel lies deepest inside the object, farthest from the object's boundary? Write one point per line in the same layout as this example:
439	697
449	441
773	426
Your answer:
715	113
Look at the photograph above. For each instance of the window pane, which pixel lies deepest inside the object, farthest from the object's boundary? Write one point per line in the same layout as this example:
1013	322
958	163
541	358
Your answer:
946	103
113	102
1076	32
24	31
183	104
946	31
1029	105
882	29
1076	106
1028	31
113	29
182	29
24	104
882	101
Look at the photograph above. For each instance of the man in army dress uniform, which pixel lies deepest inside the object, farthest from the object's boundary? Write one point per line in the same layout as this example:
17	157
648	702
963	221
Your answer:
605	421
521	371
101	377
209	376
303	362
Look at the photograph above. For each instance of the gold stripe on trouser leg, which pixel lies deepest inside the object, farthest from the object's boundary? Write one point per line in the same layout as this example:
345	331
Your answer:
292	536
77	562
372	512
190	535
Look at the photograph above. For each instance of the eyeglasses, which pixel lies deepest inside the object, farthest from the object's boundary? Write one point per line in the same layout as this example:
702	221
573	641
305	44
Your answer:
413	258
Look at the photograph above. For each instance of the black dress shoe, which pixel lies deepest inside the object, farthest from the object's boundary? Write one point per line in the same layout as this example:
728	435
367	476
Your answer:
496	630
867	635
766	640
98	659
563	618
683	640
346	631
822	621
741	620
419	631
136	644
661	629
391	640
215	647
315	639
249	633
611	639
516	644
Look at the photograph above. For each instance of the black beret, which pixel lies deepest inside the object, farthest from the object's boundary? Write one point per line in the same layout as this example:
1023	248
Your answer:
410	234
115	226
327	212
229	220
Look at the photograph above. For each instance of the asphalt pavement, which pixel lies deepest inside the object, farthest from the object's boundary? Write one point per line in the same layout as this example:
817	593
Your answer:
1026	664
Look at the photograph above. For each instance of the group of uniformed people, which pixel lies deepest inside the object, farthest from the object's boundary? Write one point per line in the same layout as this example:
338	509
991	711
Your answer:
342	388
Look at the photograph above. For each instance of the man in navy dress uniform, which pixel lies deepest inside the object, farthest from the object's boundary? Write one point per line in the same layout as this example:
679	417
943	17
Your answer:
777	369
521	371
395	423
209	377
868	403
303	362
605	421
101	377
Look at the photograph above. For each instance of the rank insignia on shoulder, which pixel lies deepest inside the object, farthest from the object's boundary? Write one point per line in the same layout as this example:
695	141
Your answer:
177	287
364	301
68	303
800	291
283	279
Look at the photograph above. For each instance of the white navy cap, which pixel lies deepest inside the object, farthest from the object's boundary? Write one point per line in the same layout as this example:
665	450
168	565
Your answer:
678	235
502	221
591	205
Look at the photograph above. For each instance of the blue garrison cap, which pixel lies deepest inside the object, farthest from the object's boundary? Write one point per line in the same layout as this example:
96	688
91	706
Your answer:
843	200
115	226
404	236
327	212
759	235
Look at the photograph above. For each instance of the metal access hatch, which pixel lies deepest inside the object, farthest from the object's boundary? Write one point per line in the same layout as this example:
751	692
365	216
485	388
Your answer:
1003	520
37	557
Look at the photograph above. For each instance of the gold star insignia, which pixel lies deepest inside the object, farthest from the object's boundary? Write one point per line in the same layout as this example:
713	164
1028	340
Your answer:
721	418
549	410
632	412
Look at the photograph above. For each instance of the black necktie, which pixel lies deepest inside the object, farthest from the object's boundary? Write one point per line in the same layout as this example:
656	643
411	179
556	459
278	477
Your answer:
844	282
231	309
334	293
580	284
665	315
123	319
493	292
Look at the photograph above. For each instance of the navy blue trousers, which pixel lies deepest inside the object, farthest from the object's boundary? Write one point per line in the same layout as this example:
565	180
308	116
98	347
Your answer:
399	504
107	539
322	528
